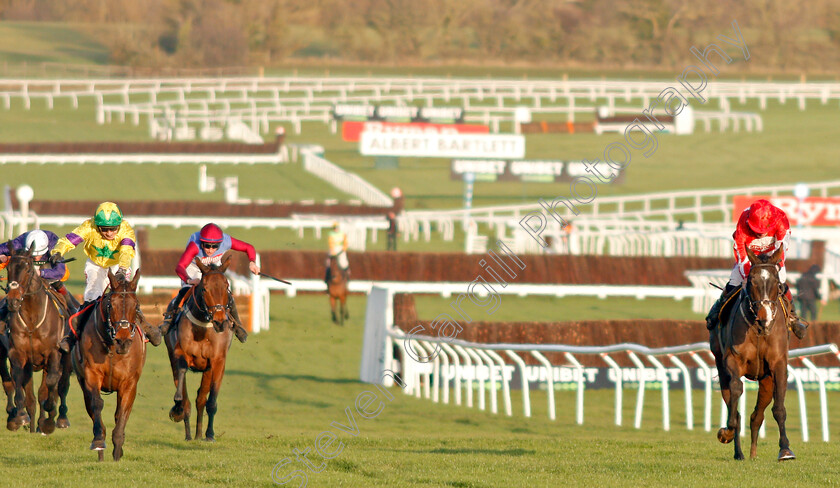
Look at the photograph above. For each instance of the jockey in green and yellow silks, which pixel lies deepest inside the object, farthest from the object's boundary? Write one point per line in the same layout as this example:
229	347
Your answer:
337	245
109	244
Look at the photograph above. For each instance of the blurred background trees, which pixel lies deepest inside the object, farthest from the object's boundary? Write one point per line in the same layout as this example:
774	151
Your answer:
617	34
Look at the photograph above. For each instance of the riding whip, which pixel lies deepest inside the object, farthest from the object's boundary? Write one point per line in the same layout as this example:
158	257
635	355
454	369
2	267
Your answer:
275	279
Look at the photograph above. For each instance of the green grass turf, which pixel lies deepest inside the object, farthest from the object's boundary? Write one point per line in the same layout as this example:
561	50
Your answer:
55	42
284	387
553	309
795	146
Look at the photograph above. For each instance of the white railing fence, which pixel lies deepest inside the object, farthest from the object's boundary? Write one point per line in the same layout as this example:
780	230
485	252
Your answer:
460	364
343	180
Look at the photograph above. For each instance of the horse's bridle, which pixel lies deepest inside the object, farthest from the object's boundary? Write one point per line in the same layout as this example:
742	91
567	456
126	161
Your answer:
105	317
765	302
205	310
14	285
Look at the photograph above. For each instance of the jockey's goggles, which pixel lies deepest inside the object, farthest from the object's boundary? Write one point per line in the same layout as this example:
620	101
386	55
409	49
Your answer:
109	228
210	245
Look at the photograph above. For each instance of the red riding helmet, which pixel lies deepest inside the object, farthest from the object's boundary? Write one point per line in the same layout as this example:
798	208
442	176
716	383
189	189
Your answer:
762	217
211	233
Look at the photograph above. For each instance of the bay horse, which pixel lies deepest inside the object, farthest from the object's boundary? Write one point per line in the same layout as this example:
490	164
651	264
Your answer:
337	290
36	325
109	357
199	341
753	343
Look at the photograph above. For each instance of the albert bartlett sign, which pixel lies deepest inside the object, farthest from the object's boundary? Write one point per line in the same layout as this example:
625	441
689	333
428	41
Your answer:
459	146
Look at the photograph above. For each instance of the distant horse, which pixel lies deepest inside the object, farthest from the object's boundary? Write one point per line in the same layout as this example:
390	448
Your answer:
337	290
753	343
199	340
109	357
36	325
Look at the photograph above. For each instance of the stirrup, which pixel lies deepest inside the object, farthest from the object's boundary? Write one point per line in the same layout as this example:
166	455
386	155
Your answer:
67	343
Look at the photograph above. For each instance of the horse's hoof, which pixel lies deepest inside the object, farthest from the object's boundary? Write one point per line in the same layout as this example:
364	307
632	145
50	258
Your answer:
62	423
46	426
176	414
97	445
210	439
724	437
739	456
786	455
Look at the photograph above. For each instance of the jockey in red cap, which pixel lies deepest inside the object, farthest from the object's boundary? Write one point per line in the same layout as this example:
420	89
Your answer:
210	244
764	229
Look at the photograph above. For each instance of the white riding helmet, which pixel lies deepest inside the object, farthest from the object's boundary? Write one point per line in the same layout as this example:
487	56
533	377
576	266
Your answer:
41	241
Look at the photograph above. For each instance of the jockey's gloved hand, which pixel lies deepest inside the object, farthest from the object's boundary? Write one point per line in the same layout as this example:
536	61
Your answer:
55	258
122	274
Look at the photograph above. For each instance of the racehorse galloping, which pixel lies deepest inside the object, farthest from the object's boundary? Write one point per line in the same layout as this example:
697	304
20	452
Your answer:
109	357
199	340
754	343
337	289
36	324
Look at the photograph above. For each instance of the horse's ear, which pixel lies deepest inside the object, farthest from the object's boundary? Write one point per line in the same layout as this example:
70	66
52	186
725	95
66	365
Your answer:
31	250
751	256
225	264
112	278
11	244
777	256
133	285
201	266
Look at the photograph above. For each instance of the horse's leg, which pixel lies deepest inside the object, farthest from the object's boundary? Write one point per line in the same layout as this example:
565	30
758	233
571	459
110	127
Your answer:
181	410
43	396
215	386
9	388
733	422
765	394
332	308
344	309
179	371
29	395
97	404
201	401
125	400
63	389
52	374
8	384
780	378
17	416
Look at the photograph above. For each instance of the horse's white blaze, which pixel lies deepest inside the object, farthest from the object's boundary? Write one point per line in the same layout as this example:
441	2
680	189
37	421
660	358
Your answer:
769	311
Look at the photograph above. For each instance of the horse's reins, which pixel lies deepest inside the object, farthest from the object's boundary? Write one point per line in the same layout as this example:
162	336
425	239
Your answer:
14	285
202	314
761	331
105	318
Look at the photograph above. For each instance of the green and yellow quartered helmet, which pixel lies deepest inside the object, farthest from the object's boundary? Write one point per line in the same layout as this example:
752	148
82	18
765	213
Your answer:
107	215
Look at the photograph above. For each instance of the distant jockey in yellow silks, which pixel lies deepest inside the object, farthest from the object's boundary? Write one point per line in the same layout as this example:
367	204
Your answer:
337	244
109	244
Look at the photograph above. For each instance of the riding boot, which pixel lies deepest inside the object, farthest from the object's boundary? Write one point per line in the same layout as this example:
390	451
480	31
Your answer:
794	323
152	332
240	332
714	314
327	276
172	310
70	338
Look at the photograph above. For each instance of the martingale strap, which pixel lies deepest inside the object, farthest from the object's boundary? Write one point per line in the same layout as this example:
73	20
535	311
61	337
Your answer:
195	320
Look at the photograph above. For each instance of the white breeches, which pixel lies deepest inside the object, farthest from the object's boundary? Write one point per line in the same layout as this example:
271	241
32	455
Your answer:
96	280
735	279
343	263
